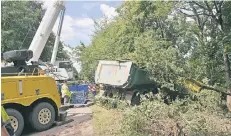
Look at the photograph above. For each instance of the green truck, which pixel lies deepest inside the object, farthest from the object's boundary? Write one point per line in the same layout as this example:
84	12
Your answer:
124	78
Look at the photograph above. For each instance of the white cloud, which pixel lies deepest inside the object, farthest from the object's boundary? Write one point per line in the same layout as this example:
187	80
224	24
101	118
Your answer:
68	32
75	28
108	11
72	28
81	27
84	22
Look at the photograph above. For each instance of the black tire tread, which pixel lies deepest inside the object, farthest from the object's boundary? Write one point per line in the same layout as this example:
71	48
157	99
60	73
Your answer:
135	99
19	117
34	116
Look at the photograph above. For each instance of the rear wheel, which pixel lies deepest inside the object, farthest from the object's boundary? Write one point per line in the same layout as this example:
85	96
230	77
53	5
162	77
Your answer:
135	99
108	93
17	121
42	116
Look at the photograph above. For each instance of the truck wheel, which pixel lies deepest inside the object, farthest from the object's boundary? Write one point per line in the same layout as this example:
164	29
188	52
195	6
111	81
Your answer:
17	121
42	116
135	99
110	95
146	95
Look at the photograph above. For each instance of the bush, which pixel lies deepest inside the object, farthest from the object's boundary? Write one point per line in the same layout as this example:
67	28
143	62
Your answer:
111	103
202	114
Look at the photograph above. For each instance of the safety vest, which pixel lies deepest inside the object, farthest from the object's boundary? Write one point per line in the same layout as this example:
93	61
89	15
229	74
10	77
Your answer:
91	88
5	118
65	91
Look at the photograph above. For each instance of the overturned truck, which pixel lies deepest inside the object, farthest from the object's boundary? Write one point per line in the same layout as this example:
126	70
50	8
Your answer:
125	79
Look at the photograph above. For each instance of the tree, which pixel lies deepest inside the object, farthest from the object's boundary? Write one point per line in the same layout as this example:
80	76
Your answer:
213	21
20	21
170	40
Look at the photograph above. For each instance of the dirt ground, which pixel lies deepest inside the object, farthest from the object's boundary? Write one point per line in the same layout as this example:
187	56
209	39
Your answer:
82	129
81	126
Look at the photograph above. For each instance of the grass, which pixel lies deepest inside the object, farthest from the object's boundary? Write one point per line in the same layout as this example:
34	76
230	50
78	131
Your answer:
106	122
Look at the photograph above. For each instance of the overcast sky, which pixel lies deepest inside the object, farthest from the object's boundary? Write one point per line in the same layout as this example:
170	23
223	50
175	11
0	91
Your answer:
78	21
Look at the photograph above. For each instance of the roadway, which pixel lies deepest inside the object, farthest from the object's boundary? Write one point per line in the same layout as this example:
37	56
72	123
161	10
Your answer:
81	124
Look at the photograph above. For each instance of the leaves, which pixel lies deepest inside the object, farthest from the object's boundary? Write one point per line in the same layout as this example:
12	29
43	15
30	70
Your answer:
20	21
170	44
157	36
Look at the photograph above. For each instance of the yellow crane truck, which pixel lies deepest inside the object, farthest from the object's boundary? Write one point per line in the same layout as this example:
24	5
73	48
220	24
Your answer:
29	98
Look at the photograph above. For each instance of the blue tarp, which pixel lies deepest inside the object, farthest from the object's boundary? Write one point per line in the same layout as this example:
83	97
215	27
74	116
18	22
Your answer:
75	88
79	93
78	97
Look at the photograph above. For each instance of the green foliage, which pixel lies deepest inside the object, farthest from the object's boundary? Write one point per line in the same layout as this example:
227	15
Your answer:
20	21
110	103
186	117
163	40
171	45
200	114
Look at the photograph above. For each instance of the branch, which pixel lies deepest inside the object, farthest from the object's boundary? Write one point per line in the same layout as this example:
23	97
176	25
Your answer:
198	17
209	9
201	13
220	4
214	2
203	23
193	2
218	16
185	9
186	14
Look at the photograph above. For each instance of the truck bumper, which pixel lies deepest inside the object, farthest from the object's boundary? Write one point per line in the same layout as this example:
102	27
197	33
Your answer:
63	118
62	115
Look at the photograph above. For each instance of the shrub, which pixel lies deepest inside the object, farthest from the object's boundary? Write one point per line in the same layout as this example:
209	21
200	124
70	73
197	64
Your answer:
202	114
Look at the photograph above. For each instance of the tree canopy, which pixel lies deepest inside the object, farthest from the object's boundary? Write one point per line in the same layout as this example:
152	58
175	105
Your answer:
171	40
20	21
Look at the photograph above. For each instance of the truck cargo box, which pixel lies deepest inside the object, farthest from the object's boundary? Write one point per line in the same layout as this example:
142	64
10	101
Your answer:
122	74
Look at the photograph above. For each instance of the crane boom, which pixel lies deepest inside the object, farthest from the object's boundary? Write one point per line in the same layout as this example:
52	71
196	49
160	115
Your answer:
57	39
38	43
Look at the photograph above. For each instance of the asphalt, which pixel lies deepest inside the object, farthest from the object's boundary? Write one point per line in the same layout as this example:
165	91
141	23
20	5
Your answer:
76	114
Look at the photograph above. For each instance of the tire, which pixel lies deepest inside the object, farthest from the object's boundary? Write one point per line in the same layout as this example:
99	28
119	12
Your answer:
17	120
135	99
110	95
122	94
146	95
42	116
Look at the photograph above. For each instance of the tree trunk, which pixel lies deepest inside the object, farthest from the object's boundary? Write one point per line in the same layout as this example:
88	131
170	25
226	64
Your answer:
227	73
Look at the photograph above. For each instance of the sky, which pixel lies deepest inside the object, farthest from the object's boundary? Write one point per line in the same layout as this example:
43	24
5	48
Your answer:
78	24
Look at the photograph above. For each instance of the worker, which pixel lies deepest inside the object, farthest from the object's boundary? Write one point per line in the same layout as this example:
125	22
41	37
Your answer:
66	94
7	129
